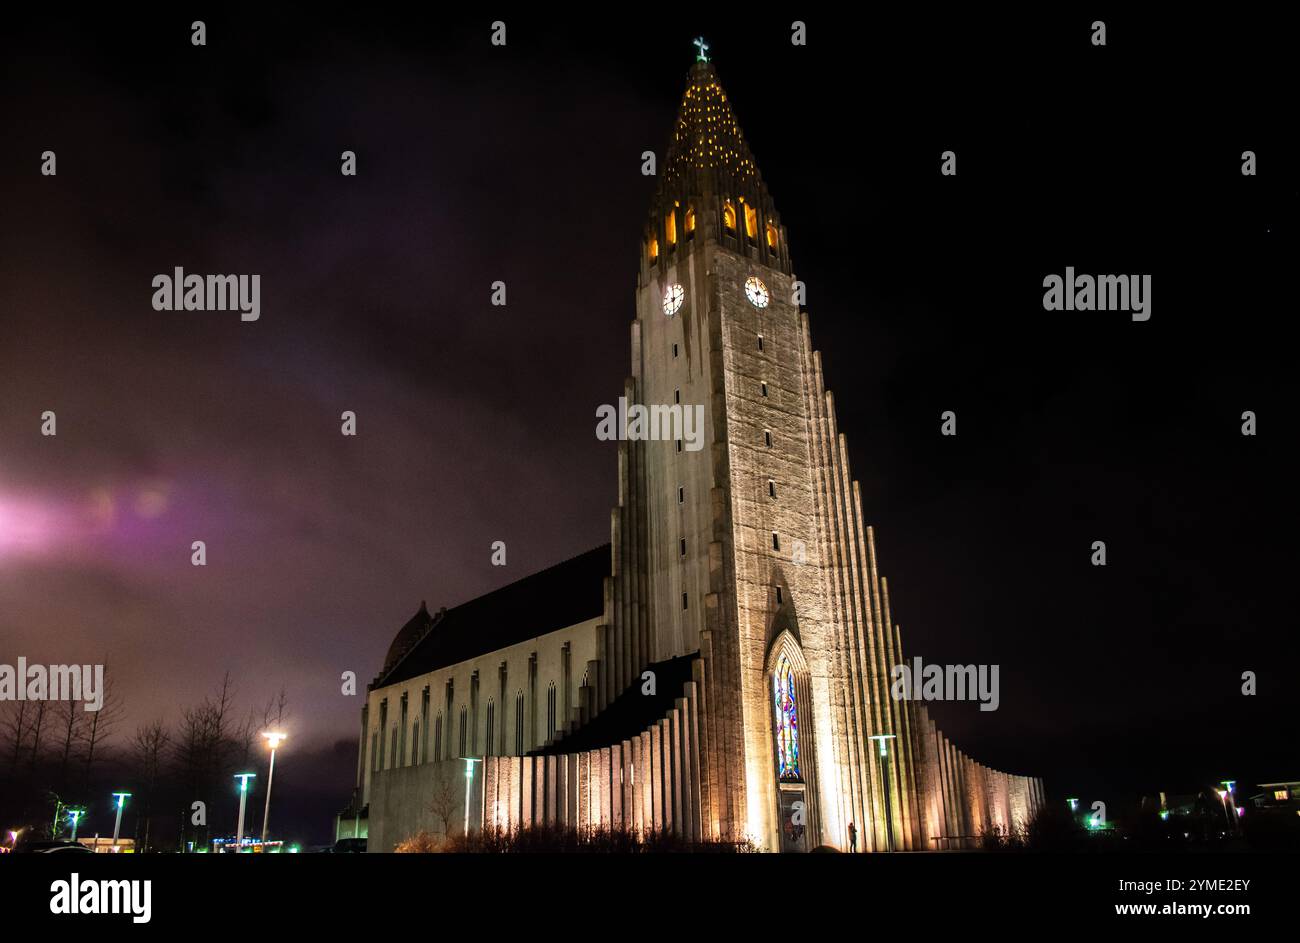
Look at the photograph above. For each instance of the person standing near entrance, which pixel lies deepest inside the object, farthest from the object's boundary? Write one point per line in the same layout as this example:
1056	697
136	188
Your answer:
853	838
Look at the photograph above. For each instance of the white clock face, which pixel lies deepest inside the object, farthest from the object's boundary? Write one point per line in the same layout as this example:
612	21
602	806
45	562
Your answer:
756	292
673	299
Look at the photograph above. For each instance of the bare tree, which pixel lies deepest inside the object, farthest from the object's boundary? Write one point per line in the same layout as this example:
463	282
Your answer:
148	747
38	724
444	803
70	722
100	725
14	730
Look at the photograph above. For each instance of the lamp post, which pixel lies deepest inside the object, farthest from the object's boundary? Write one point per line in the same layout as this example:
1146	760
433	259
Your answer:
469	781
274	740
884	769
1229	786
121	798
243	799
1223	799
75	815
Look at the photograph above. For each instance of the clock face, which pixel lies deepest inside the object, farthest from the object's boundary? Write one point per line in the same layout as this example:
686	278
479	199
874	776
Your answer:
673	299
756	292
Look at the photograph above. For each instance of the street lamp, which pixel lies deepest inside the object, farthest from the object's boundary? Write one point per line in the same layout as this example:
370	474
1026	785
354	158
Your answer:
1223	798
884	770
273	739
469	781
243	798
121	798
75	815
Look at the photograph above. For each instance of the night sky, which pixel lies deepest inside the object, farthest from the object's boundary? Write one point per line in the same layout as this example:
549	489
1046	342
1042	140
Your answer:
476	423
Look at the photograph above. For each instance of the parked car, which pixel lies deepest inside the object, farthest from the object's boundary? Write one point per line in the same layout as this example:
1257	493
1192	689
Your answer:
51	846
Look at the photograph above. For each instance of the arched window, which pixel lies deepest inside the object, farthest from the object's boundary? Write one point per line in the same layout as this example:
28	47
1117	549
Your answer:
670	228
491	727
519	724
654	249
690	222
751	222
771	237
550	711
787	722
415	743
464	728
729	216
437	737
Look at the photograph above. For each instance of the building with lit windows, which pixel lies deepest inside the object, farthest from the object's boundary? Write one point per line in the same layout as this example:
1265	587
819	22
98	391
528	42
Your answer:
721	668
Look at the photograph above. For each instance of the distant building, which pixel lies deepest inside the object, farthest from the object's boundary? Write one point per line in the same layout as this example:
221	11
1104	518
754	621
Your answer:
107	846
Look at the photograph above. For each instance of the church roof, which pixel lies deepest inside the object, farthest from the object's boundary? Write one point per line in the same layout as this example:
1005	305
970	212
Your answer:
706	136
559	596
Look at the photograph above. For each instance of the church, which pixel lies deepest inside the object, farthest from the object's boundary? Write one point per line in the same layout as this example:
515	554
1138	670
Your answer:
721	669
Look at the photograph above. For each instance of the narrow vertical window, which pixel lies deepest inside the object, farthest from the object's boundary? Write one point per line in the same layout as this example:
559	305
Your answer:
767	437
787	722
677	395
751	221
682	546
681	494
670	228
764	387
674	350
771	488
760	342
464	729
653	250
729	216
519	724
683	600
771	237
689	224
776	541
491	726
679	445
778	596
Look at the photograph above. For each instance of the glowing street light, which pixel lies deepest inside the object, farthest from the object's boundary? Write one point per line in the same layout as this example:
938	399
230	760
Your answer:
1223	798
273	739
1074	804
243	798
884	768
121	798
75	815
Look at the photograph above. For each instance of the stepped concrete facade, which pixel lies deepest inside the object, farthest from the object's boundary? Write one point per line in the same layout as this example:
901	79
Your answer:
722	668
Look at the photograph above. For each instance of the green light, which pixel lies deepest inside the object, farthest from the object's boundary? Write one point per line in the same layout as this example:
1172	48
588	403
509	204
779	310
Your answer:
121	798
1164	815
703	46
1074	804
243	780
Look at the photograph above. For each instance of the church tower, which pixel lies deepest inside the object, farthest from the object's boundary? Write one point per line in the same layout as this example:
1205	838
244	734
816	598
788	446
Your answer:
752	551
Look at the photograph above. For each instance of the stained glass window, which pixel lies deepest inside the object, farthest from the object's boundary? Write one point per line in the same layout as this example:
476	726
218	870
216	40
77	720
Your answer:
787	722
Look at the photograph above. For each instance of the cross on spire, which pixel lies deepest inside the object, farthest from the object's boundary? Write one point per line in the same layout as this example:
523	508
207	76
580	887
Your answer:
701	57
